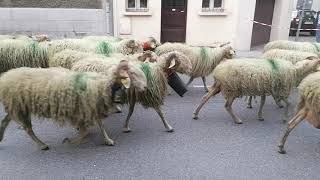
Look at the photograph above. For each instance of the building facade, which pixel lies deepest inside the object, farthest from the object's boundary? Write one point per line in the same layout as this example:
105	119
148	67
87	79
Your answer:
204	22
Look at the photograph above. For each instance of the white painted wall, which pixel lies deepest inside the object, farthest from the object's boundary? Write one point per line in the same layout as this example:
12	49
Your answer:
234	26
138	24
281	19
55	22
205	29
243	30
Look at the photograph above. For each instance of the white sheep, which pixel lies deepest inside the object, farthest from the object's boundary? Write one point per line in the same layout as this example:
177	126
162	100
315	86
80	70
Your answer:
20	53
203	59
256	77
289	55
291	45
308	107
157	74
126	46
75	98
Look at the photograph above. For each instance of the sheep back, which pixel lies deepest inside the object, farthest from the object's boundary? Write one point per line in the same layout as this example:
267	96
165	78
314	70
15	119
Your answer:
57	93
255	77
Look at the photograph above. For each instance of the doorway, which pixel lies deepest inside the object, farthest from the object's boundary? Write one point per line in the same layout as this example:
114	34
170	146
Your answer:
173	20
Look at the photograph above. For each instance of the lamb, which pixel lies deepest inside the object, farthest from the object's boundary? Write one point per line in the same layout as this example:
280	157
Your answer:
68	97
105	48
256	77
308	107
157	74
203	59
289	55
19	53
291	45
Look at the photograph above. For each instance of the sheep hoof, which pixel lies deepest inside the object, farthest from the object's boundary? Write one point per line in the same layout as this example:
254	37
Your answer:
126	130
44	147
207	90
170	130
20	127
281	106
118	109
195	117
249	107
109	142
260	118
284	121
281	150
238	122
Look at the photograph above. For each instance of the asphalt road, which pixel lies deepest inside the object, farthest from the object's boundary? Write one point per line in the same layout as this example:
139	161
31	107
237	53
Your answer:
212	147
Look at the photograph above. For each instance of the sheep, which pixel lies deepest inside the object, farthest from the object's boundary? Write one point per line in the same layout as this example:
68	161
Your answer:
67	58
291	45
157	74
255	77
203	59
289	55
37	38
68	97
20	53
105	48
308	106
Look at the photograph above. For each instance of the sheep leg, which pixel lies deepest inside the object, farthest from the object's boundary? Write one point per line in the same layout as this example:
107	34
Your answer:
263	100
293	123
212	92
190	81
83	133
4	124
286	110
228	107
107	139
126	128
204	83
165	122
28	128
249	102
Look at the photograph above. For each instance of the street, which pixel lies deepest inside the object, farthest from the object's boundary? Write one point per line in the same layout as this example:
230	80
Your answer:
213	147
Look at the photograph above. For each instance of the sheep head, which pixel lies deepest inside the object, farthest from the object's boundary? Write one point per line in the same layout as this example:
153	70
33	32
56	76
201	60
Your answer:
176	61
148	56
229	52
133	46
306	67
122	74
40	38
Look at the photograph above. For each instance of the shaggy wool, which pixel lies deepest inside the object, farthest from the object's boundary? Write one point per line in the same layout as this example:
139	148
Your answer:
20	53
289	55
291	45
203	59
61	94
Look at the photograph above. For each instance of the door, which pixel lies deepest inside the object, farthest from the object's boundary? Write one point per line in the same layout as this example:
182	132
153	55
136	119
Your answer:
264	14
173	20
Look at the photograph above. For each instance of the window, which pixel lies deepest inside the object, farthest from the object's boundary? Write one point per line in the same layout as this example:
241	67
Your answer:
212	5
137	5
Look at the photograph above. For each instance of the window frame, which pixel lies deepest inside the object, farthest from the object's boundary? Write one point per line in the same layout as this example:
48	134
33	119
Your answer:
211	7
137	7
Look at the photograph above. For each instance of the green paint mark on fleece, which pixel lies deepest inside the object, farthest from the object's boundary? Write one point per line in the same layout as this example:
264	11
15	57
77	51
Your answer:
204	54
80	81
273	64
104	48
145	67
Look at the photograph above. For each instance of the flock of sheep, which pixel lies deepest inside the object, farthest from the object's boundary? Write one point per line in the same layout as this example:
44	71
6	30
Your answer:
79	82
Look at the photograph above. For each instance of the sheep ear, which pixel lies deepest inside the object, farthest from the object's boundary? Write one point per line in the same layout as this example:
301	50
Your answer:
172	64
126	83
